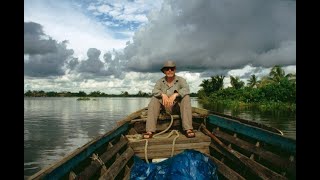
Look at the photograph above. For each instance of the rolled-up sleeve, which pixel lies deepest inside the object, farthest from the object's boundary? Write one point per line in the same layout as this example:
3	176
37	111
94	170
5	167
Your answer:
156	92
184	87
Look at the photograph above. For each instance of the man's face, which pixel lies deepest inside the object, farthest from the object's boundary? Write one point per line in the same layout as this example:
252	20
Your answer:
169	71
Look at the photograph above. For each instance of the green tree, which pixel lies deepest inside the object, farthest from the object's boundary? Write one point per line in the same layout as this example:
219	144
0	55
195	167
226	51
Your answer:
28	93
95	94
206	86
264	81
140	94
291	77
236	82
217	82
125	93
82	94
52	94
212	85
253	81
276	73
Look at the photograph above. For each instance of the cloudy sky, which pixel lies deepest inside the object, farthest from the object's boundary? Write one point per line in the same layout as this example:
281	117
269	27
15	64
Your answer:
114	46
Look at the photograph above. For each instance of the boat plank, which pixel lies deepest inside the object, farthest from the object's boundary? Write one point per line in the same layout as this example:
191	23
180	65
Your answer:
131	116
276	160
205	113
118	165
140	127
162	147
252	165
224	170
152	154
106	156
200	137
254	132
127	175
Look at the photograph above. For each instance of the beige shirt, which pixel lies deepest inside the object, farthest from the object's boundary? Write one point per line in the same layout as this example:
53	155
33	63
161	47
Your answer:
180	86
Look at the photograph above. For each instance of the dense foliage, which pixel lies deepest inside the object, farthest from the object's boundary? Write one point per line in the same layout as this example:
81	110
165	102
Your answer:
277	91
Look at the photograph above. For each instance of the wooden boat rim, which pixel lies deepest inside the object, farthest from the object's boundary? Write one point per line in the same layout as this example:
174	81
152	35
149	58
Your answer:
233	118
72	154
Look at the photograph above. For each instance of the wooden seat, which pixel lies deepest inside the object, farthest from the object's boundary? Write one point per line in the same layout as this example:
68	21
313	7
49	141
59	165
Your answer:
159	147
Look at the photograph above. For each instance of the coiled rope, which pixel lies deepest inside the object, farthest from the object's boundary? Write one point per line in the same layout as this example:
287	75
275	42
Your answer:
156	136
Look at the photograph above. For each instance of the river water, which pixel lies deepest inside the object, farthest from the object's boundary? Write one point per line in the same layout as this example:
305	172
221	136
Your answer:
54	127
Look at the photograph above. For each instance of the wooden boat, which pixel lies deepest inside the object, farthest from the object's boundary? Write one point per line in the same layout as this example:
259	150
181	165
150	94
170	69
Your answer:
241	149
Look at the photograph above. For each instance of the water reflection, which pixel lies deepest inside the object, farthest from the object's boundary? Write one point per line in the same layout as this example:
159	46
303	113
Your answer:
53	127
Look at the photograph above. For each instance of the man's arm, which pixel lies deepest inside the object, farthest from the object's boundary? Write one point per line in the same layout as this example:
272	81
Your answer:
156	92
184	90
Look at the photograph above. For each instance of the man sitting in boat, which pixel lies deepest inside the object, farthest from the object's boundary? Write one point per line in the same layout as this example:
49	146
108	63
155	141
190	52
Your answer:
170	91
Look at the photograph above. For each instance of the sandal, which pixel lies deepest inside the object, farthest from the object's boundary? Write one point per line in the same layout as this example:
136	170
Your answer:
190	133
147	135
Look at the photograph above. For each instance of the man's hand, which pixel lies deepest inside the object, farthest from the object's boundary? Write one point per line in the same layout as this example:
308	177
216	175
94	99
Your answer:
168	101
173	97
165	100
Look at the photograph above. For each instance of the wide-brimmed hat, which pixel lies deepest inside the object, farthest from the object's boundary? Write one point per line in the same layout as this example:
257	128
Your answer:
168	64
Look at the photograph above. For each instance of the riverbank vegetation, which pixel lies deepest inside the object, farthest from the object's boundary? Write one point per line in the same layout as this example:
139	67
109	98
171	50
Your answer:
84	94
277	91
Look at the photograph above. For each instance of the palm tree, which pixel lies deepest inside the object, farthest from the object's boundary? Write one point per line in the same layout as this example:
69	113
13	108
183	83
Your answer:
264	81
206	86
236	82
253	81
276	73
217	82
212	85
291	77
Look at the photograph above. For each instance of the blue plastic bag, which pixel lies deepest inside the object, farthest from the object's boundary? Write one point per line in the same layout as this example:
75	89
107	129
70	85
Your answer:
189	164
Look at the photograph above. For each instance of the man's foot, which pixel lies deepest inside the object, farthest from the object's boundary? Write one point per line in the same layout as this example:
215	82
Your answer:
190	134
148	135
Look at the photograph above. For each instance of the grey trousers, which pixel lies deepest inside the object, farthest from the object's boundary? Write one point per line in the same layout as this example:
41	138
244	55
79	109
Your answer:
154	111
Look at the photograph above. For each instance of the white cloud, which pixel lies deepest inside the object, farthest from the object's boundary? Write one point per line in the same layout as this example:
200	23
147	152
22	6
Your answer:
62	22
218	36
234	38
194	80
241	72
104	8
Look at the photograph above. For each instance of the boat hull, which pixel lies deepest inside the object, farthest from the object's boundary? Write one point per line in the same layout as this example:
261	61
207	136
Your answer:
240	148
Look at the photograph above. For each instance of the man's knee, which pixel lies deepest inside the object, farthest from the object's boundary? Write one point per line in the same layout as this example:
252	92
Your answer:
154	102
186	99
